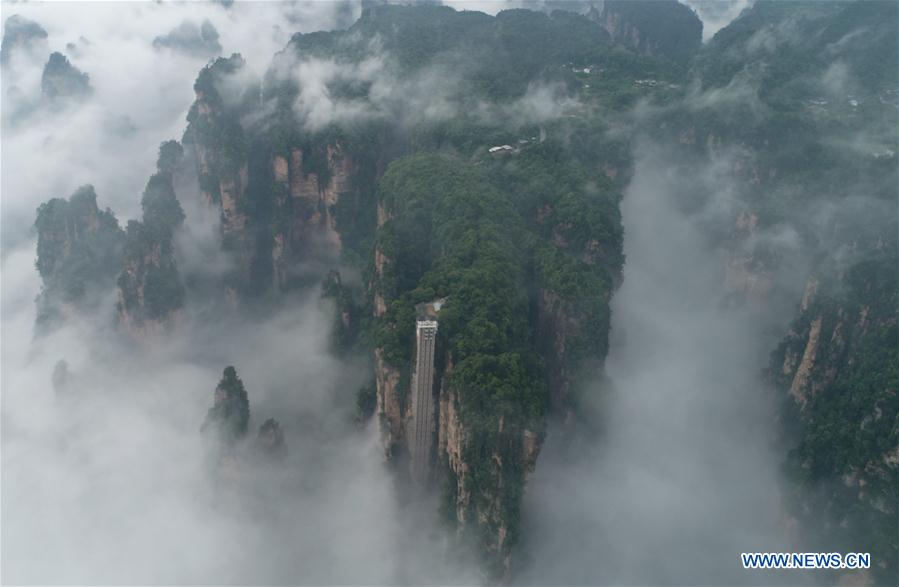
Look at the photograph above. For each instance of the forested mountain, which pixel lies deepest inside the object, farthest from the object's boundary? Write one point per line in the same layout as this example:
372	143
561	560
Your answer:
468	169
525	244
805	97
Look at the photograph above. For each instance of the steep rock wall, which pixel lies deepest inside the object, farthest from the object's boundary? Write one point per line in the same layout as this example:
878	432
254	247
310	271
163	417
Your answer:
474	510
278	205
150	296
838	373
79	250
660	28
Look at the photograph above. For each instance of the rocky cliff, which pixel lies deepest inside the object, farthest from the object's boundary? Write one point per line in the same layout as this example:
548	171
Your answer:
150	289
79	250
21	34
270	440
484	471
347	315
62	81
577	269
660	28
838	372
279	190
82	249
306	203
506	356
385	160
229	416
190	39
769	121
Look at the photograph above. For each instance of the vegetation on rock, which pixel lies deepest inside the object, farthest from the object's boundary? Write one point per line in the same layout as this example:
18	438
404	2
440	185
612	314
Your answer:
79	250
61	80
229	415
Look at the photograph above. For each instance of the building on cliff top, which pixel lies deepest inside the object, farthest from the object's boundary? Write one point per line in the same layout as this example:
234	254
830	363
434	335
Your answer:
422	438
501	149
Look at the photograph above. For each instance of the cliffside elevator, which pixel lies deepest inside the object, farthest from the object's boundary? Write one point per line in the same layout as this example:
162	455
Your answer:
421	438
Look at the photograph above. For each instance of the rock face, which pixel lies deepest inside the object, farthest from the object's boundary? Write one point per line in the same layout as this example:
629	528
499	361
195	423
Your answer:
478	507
838	369
493	381
660	28
270	440
747	274
62	81
150	291
229	415
79	250
555	325
571	320
565	327
834	371
278	201
310	184
213	132
188	38
389	406
832	331
293	193
20	34
345	331
528	262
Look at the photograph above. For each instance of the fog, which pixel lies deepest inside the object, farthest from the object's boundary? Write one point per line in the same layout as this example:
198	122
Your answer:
141	93
106	479
717	14
680	475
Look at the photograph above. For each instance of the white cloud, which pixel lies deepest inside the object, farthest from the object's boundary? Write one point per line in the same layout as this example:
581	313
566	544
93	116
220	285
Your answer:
111	485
